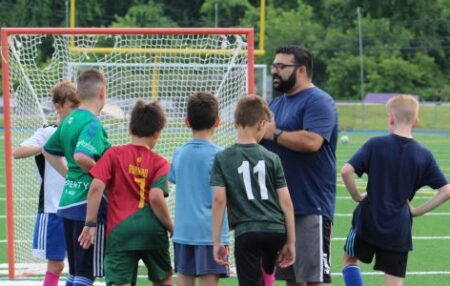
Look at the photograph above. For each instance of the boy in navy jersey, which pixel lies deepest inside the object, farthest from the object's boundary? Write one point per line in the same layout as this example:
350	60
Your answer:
397	166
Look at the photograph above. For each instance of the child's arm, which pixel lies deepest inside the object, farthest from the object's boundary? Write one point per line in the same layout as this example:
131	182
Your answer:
347	172
94	199
57	162
218	210
441	197
85	162
287	254
159	207
26	151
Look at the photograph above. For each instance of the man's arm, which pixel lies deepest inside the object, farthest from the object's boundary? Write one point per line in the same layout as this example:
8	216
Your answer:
26	151
347	172
441	197
84	161
287	253
94	199
57	162
159	207
299	141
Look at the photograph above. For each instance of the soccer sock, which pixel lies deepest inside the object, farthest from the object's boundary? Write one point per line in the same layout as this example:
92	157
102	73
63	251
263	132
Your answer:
69	280
51	279
352	275
268	278
82	281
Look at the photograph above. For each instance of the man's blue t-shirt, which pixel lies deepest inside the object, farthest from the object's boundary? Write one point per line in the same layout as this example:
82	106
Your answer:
191	171
311	176
396	168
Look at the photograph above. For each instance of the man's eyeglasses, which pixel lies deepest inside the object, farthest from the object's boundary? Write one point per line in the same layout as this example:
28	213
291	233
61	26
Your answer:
280	66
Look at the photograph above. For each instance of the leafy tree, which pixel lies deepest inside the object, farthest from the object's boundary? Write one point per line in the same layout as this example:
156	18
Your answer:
144	15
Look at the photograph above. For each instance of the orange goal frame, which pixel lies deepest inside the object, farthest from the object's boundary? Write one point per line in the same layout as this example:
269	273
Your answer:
6	32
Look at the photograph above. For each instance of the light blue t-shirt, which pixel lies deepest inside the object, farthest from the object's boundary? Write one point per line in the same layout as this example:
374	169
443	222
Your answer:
191	171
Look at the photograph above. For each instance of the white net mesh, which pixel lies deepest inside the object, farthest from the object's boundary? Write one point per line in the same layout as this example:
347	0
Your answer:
162	67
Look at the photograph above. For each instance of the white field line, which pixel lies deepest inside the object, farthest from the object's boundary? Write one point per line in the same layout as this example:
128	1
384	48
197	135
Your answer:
414	238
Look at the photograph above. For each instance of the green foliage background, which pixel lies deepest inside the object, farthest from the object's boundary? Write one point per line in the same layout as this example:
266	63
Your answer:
406	42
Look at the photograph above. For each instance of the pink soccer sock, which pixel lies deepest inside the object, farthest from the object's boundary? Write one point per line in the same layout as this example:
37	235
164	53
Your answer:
269	279
51	279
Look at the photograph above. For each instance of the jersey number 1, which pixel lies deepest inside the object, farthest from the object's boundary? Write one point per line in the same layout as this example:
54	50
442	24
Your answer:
259	169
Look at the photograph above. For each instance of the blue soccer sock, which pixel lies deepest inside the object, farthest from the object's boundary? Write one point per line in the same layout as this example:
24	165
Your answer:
82	281
352	275
69	280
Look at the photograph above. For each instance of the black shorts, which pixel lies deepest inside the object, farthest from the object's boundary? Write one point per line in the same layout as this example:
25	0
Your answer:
256	250
390	262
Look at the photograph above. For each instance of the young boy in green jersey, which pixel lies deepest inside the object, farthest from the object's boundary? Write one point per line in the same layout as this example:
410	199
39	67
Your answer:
81	139
138	216
249	179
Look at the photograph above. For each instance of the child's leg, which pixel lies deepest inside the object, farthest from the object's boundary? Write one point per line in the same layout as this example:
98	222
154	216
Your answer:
54	269
185	280
273	242
209	280
351	271
247	252
391	280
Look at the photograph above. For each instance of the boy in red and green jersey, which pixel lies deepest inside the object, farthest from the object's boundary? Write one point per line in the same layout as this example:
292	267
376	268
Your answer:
138	217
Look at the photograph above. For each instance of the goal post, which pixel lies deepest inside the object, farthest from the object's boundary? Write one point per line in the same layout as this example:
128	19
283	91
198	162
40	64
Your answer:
167	64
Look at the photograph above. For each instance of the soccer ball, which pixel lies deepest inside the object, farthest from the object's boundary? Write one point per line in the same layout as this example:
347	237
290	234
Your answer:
344	139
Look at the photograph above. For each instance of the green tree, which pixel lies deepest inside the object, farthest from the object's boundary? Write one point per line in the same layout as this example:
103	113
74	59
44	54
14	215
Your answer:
145	15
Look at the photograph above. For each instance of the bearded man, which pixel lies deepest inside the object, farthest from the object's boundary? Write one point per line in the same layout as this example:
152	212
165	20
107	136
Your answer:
304	134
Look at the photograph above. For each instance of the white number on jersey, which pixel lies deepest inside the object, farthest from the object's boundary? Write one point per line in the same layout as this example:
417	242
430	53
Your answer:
259	169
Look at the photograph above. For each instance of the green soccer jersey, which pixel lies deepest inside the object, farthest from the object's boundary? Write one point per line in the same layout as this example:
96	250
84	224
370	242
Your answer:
251	176
80	132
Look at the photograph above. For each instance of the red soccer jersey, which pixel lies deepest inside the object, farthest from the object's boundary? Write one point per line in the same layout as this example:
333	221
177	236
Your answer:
129	172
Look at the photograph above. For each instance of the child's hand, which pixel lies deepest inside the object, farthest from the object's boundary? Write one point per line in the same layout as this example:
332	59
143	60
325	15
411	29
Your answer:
287	255
87	237
221	254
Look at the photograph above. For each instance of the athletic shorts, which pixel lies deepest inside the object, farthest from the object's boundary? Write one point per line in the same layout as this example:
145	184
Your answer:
87	263
313	248
47	239
197	260
121	266
256	250
390	262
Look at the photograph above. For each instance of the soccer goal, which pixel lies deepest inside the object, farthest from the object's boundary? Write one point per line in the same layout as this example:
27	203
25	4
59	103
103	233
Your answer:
165	64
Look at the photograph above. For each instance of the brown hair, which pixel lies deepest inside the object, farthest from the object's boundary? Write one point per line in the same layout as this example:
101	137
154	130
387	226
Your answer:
147	119
89	83
65	91
251	110
202	110
404	108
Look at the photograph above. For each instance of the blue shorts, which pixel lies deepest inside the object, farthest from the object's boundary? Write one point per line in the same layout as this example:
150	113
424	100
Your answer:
87	263
48	242
197	260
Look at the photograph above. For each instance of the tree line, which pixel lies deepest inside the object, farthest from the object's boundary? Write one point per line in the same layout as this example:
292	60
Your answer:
406	43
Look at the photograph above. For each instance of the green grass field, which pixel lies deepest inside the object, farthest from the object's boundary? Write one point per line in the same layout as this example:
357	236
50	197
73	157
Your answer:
428	263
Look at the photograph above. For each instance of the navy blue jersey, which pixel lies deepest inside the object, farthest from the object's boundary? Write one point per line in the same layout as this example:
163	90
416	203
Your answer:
396	168
311	176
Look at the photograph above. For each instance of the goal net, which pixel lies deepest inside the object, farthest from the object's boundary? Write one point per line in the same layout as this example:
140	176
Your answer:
166	65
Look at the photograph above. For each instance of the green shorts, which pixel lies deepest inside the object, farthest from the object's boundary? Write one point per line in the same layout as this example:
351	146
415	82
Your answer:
121	266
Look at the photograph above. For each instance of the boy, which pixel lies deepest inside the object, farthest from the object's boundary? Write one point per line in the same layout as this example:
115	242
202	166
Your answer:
249	180
138	216
81	139
190	171
397	166
48	229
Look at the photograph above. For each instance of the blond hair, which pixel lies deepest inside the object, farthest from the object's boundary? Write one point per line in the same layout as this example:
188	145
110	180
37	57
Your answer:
404	108
63	92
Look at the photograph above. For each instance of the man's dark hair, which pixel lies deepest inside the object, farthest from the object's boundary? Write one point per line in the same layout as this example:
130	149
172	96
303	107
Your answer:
250	110
89	83
202	110
301	57
147	119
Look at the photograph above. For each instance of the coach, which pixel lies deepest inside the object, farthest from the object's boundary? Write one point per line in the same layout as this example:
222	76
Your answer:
304	133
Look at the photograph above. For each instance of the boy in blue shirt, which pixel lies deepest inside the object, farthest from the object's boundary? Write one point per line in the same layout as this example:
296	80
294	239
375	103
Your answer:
190	171
397	166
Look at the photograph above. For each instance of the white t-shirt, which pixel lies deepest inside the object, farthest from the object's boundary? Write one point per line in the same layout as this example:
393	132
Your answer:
53	181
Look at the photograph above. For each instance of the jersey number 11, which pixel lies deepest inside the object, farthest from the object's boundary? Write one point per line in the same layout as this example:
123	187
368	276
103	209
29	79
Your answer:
259	169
